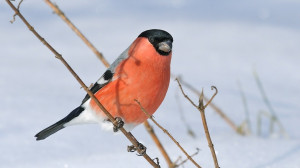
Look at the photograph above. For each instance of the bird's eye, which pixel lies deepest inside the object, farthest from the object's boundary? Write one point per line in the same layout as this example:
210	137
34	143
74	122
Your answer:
151	39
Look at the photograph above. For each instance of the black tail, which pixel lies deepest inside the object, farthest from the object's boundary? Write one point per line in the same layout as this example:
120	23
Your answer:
58	125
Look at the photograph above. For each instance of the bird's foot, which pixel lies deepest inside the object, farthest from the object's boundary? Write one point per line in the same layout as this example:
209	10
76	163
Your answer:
118	124
141	149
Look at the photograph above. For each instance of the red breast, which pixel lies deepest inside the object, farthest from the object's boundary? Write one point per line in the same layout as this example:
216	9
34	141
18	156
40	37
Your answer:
144	75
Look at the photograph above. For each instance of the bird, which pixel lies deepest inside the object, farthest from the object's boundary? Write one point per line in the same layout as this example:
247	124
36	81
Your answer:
141	72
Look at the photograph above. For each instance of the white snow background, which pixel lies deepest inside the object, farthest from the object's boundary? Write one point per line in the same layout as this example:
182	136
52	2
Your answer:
215	43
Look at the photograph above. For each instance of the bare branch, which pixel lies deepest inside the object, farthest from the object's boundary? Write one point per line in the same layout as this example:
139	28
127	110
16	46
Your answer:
201	103
182	116
209	101
158	143
208	138
268	104
201	108
166	132
185	94
18	9
213	106
77	31
177	160
196	153
246	127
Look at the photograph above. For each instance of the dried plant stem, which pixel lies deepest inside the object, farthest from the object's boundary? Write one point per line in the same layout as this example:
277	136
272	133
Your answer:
213	106
201	107
181	112
248	124
129	136
14	16
77	31
259	121
158	144
167	132
268	104
185	160
210	144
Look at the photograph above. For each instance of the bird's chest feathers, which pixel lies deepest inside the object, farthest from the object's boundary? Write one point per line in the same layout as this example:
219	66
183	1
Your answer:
143	75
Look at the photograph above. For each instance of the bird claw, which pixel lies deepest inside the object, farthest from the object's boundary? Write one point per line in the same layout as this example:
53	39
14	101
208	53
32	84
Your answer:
141	149
118	124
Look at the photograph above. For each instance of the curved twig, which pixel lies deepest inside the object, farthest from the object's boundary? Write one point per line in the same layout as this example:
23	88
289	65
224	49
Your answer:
209	101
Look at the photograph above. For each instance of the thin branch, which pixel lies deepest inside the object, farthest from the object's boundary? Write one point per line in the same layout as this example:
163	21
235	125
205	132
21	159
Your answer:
209	101
182	116
166	132
201	97
158	144
268	104
185	94
201	108
210	144
129	136
213	106
77	31
181	163
14	16
269	116
178	159
248	124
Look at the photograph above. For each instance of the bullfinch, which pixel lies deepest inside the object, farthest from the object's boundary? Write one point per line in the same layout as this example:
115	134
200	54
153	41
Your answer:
141	72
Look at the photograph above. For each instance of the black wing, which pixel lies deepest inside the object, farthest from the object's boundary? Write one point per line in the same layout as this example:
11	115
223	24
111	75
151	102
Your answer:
104	80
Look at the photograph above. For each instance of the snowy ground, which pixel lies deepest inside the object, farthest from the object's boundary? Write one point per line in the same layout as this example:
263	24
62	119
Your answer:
216	43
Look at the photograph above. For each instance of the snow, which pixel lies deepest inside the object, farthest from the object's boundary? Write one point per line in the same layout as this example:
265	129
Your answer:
216	43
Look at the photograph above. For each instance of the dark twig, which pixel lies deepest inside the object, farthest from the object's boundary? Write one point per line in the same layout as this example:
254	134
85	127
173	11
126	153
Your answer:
167	132
201	108
157	160
129	136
